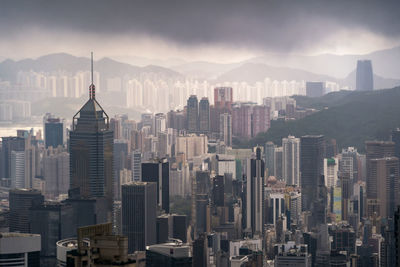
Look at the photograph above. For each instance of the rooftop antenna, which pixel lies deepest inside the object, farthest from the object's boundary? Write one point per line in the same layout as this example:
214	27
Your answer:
92	88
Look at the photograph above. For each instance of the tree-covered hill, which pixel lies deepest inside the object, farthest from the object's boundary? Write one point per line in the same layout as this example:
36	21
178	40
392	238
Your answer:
349	117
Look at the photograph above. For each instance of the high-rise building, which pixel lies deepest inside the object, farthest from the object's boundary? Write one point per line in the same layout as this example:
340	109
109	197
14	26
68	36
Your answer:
160	123
315	89
21	201
53	131
278	163
396	141
364	76
223	97
204	115
269	151
249	119
200	251
136	165
225	128
157	171
139	205
53	221
192	114
255	194
17	169
56	171
383	199
10	144
375	150
291	160
331	169
311	167
91	154
120	162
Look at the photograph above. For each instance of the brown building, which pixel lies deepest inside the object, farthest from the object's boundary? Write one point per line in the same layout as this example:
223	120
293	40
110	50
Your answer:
384	198
375	150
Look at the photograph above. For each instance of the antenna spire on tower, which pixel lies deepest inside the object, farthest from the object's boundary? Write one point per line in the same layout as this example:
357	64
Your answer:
92	88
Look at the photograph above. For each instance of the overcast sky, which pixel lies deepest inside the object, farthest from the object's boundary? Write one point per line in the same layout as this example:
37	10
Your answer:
215	30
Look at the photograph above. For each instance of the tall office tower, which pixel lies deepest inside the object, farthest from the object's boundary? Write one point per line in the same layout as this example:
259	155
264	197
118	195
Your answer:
91	154
21	201
176	119
116	127
396	141
147	120
375	150
255	194
53	221
120	152
17	169
364	76
315	89
331	169
204	115
269	151
56	172
383	197
53	131
223	98
348	164
10	144
200	251
139	206
311	167
160	123
136	165
225	128
397	234
291	160
278	160
192	114
157	171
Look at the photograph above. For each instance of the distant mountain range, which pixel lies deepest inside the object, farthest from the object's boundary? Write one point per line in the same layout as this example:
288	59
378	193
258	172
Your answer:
349	117
386	63
279	67
64	62
253	72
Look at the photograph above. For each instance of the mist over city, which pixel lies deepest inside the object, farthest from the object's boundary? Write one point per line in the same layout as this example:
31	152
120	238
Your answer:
200	133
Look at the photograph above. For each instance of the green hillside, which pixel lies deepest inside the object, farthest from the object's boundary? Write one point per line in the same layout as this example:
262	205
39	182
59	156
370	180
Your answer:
349	117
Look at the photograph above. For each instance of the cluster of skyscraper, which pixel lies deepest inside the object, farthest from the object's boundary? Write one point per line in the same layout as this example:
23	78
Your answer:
171	191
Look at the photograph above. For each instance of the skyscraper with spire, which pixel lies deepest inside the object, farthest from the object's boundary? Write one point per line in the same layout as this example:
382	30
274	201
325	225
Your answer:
91	154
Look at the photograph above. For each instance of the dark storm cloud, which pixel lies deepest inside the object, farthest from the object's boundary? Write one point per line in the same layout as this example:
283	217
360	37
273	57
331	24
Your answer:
277	25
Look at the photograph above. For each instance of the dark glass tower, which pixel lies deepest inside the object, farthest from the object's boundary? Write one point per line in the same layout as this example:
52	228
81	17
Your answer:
192	114
53	132
311	168
139	207
21	201
157	171
91	154
204	115
364	76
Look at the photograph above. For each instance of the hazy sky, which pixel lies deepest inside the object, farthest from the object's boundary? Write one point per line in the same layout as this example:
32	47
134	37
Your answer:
215	30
